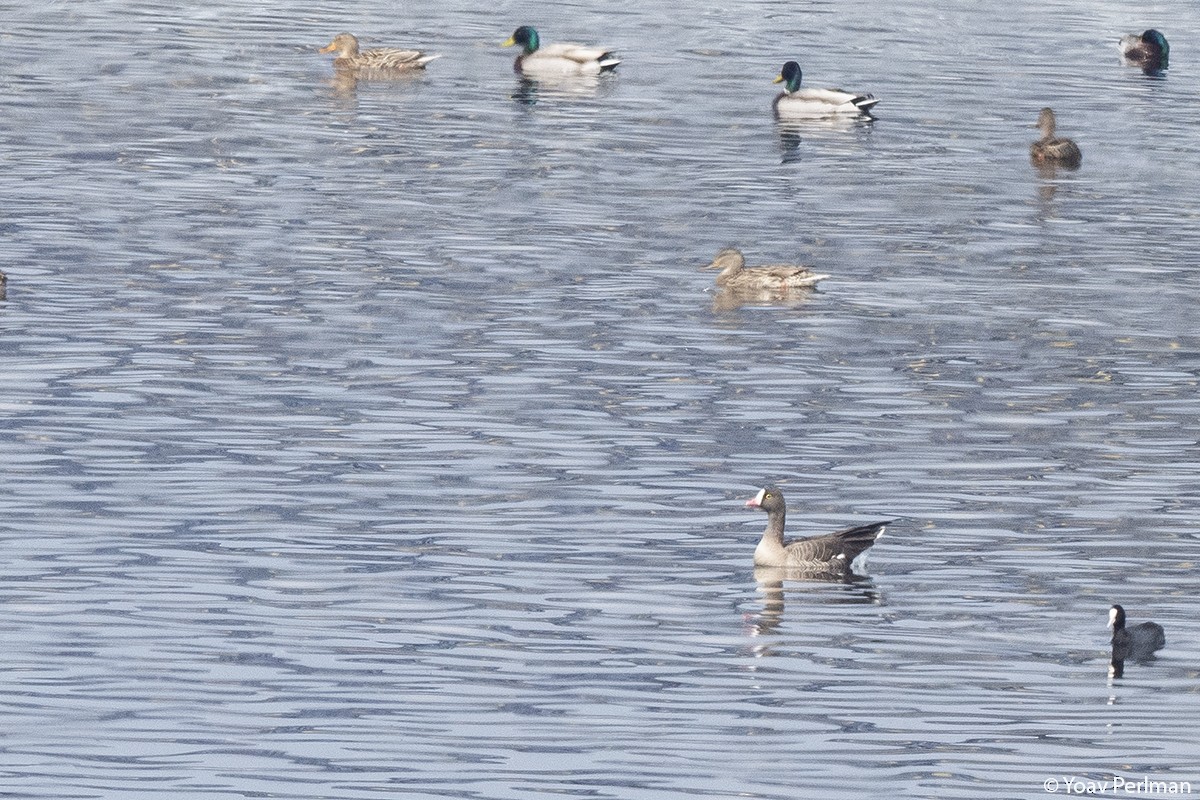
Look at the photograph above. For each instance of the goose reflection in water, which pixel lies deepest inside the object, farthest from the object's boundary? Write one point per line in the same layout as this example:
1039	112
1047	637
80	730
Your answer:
860	590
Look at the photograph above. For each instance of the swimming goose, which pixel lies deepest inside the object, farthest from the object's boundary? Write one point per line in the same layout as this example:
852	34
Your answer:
833	552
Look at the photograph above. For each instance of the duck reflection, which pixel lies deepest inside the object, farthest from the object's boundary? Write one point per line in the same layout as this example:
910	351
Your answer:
1050	171
733	299
815	125
789	145
344	83
861	591
1050	178
792	132
530	90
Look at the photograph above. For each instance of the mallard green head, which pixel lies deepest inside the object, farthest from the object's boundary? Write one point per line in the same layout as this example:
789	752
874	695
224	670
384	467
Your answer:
790	76
1156	41
525	36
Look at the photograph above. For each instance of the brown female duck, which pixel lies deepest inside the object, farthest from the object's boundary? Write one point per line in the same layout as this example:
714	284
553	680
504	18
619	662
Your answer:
347	56
1051	149
735	275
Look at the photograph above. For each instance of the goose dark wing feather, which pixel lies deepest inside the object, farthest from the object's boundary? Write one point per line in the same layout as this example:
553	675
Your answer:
845	544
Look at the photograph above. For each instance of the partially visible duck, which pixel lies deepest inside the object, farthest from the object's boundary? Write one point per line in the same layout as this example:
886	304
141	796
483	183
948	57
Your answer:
736	275
3	286
1148	50
796	103
833	552
347	56
1139	642
562	58
1051	149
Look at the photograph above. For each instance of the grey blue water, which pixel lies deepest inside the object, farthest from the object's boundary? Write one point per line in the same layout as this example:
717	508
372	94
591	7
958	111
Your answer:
387	439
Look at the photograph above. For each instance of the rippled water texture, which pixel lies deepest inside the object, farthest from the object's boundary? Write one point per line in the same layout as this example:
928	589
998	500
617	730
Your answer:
387	440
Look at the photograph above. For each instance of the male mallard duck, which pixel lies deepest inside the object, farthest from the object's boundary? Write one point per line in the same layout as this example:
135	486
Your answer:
384	59
735	275
833	552
794	102
1053	150
1148	50
1139	642
558	59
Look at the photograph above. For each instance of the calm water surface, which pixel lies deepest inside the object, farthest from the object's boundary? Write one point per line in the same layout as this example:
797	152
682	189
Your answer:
386	440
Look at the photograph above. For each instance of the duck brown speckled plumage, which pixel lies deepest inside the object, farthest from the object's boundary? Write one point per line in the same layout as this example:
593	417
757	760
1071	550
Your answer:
735	275
347	56
1051	149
